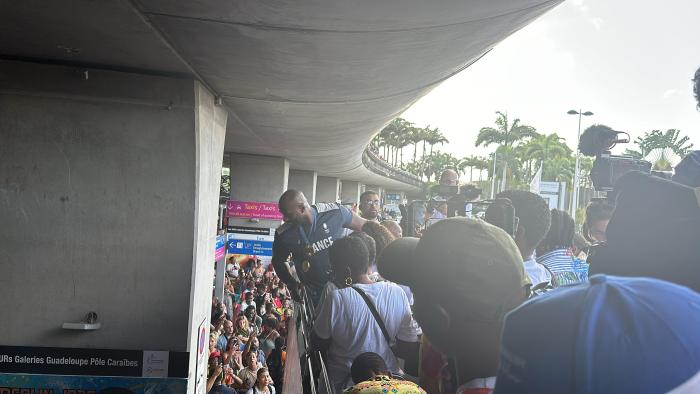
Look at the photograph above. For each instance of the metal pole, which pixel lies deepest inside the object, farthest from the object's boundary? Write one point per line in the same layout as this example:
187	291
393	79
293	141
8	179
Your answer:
574	198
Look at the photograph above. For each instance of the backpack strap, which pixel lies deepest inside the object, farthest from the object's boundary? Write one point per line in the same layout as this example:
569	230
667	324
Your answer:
375	313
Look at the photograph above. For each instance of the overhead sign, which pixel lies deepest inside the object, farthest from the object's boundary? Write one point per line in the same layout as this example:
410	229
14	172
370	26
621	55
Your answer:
252	210
251	241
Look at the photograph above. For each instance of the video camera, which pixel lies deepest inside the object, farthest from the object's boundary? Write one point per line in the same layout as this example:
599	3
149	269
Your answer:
597	141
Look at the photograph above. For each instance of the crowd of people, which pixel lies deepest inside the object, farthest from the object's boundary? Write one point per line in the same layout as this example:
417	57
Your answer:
249	326
529	303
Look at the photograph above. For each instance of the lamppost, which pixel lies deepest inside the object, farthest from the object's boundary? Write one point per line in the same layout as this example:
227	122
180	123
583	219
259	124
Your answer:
574	197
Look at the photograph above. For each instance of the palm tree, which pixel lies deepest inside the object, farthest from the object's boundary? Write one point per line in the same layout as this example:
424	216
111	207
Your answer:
559	169
661	145
504	134
435	137
679	146
543	147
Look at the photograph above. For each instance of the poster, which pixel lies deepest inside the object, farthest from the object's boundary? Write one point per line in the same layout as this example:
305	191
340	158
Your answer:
253	210
256	242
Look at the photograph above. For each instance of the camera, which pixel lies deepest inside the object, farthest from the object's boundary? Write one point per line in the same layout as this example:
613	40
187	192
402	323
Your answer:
597	141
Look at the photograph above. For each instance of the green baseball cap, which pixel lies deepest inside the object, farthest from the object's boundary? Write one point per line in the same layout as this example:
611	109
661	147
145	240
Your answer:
474	264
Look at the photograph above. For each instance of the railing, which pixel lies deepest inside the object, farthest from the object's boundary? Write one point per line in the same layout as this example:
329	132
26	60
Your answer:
375	164
305	368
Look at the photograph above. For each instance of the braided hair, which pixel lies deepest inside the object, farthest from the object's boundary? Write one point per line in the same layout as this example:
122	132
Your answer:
561	233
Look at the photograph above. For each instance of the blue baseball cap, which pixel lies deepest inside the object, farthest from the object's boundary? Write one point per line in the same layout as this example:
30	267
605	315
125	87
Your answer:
609	335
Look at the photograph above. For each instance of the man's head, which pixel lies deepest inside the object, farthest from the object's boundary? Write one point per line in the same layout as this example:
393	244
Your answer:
368	365
370	205
598	215
270	323
228	327
295	208
250	313
248	297
449	177
393	227
465	274
534	219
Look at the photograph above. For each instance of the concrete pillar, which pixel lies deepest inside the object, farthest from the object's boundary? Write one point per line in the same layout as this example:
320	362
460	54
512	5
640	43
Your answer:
257	178
109	187
327	189
350	192
305	182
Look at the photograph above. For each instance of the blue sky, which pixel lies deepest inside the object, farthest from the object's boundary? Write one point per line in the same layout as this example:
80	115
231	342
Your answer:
630	62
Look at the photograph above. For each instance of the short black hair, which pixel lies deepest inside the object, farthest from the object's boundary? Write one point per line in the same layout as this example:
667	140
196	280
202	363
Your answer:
598	210
561	232
349	253
533	213
367	193
271	322
367	365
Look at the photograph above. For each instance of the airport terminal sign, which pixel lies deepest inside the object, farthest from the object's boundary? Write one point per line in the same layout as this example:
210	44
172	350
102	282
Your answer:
252	210
251	241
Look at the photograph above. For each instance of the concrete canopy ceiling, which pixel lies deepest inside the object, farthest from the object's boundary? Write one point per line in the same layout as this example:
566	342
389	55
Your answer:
310	80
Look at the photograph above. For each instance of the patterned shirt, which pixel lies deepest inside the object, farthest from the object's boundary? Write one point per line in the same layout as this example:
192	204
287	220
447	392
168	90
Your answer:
565	267
385	385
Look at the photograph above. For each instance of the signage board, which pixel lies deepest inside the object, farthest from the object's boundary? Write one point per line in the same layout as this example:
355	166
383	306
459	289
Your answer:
220	250
250	241
253	210
94	362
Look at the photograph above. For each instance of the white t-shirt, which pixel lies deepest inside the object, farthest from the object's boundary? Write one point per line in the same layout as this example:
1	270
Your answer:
537	272
346	319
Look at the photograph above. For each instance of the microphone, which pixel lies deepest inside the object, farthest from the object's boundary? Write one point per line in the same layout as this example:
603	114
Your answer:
598	138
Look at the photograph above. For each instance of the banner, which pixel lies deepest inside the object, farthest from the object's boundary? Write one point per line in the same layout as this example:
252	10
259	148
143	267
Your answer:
253	210
96	362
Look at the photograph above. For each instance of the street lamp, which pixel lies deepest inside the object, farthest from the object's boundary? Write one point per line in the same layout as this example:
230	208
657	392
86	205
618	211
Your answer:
574	197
